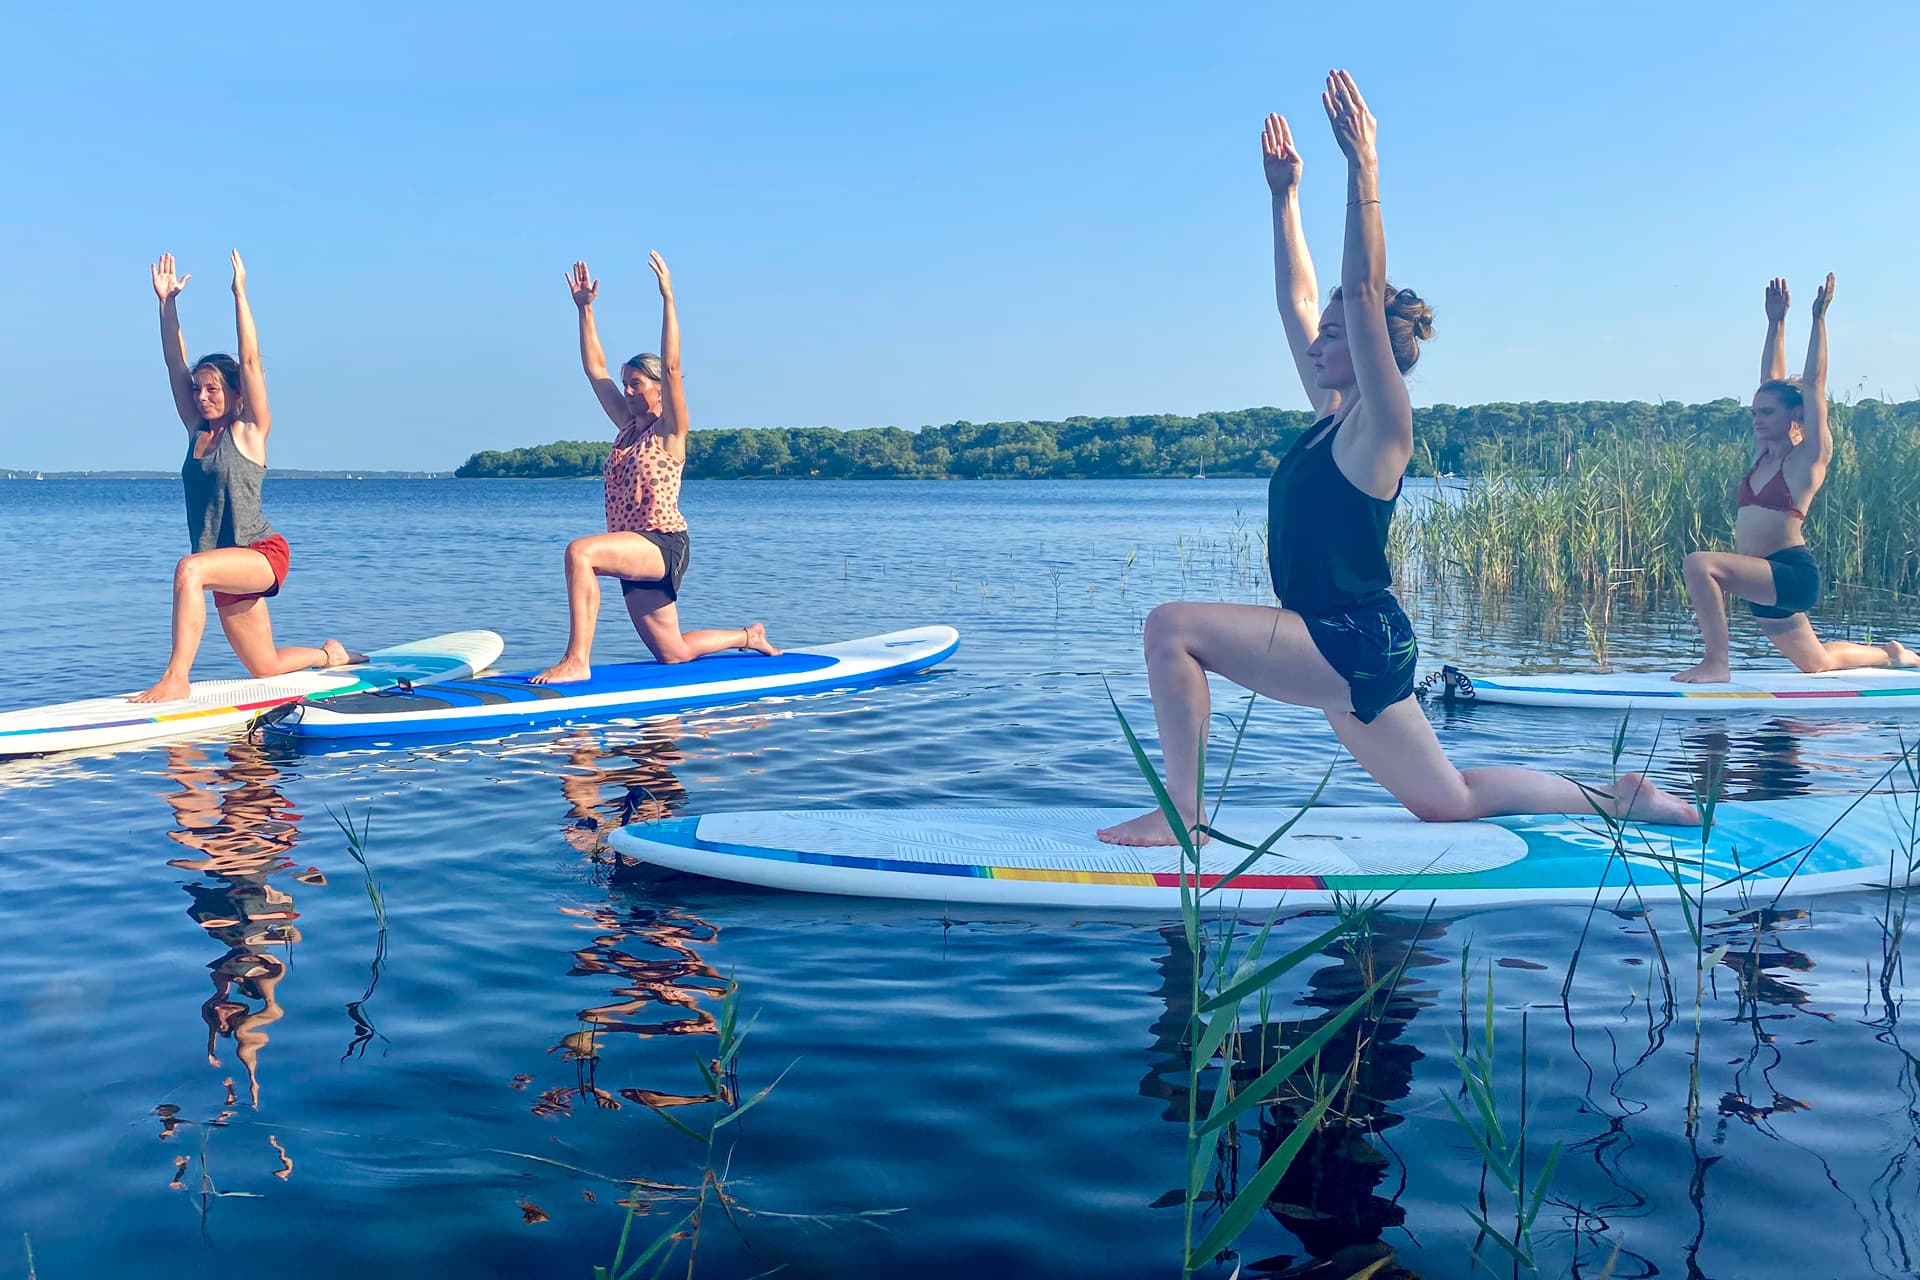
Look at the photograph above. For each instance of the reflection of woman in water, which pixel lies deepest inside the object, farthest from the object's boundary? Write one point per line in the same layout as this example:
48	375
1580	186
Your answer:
1339	641
1763	761
1328	1198
645	545
242	836
609	786
663	985
236	554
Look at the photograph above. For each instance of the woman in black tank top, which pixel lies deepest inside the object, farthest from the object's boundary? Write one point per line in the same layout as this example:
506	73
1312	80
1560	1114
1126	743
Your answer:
1339	642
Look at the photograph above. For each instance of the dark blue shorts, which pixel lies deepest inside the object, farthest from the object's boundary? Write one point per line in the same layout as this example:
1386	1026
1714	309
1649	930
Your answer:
1373	649
1796	584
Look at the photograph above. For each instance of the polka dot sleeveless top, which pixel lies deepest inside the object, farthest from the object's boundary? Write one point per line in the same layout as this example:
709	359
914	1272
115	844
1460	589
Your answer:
643	482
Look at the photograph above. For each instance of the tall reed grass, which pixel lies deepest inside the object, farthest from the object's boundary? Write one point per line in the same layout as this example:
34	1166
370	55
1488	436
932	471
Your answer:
1621	513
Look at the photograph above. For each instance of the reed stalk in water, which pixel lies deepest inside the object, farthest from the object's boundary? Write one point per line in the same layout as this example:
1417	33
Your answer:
1502	1144
1622	513
1216	995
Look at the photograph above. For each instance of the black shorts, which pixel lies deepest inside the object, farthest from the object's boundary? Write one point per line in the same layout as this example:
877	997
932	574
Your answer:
1373	649
1796	584
675	550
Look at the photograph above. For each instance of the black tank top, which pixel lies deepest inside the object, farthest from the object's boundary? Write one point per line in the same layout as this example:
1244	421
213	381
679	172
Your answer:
1326	540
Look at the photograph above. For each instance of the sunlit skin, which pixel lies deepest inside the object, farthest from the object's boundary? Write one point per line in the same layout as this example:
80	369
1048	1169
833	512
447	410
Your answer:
202	396
1797	446
1344	357
620	554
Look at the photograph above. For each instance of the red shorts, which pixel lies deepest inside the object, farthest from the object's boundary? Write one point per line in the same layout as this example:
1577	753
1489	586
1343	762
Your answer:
278	555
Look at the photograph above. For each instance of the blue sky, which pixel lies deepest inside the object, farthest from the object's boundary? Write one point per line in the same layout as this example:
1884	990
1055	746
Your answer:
880	213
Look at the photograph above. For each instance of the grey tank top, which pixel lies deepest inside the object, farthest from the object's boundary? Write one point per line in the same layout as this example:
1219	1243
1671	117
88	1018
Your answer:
223	496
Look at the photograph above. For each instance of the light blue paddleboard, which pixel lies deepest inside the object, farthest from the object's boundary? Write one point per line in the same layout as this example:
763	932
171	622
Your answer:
1050	857
1858	691
630	688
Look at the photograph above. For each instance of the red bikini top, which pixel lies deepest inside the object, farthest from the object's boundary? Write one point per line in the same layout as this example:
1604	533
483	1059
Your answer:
1774	495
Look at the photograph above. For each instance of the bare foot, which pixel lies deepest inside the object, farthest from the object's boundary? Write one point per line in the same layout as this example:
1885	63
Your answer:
169	688
1706	673
1149	829
1898	655
757	640
338	655
565	671
1635	797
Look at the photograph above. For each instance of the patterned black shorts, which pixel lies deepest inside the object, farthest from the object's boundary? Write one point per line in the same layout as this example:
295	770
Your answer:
1373	648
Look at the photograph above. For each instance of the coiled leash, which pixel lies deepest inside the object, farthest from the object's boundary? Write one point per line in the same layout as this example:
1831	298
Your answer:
1454	684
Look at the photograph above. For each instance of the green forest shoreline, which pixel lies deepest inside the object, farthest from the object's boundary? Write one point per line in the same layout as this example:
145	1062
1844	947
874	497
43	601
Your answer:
1449	440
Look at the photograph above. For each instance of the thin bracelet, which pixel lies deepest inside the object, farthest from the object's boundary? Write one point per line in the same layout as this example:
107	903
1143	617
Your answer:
1351	203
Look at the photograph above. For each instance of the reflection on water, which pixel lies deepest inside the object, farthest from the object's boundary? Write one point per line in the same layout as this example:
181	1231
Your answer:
1329	1198
609	783
1779	756
662	985
1750	1060
240	830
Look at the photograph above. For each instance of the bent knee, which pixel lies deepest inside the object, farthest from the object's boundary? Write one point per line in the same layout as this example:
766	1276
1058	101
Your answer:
1167	628
1442	808
1814	664
673	655
186	574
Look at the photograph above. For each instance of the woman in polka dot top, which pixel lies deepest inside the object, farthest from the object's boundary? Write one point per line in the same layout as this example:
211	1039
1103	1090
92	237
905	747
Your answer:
645	545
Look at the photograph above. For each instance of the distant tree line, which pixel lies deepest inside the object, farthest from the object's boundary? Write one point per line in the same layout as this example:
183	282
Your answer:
1543	435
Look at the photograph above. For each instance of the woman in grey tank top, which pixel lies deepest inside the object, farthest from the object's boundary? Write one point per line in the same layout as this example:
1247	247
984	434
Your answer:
236	554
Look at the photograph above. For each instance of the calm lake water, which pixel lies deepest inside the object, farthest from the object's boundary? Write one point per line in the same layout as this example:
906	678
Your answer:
215	1064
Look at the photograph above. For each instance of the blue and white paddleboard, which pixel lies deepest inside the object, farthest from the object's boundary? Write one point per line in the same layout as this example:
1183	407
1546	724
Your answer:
1860	691
631	688
222	704
1050	857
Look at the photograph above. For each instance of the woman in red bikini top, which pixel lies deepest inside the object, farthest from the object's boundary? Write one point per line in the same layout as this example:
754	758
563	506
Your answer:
222	402
645	545
1770	566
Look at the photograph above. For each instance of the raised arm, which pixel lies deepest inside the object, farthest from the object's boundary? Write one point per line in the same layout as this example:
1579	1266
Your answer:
1295	290
1385	413
1813	383
173	344
592	358
1773	360
253	375
673	395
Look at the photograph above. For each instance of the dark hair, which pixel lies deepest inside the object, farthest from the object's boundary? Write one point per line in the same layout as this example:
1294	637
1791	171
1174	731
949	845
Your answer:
1409	323
647	365
226	366
1787	392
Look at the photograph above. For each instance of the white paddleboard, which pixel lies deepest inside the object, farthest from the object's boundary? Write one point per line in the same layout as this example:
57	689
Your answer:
513	701
1860	691
212	705
1051	858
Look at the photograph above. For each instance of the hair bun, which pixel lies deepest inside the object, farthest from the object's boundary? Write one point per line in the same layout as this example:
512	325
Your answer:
1409	323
